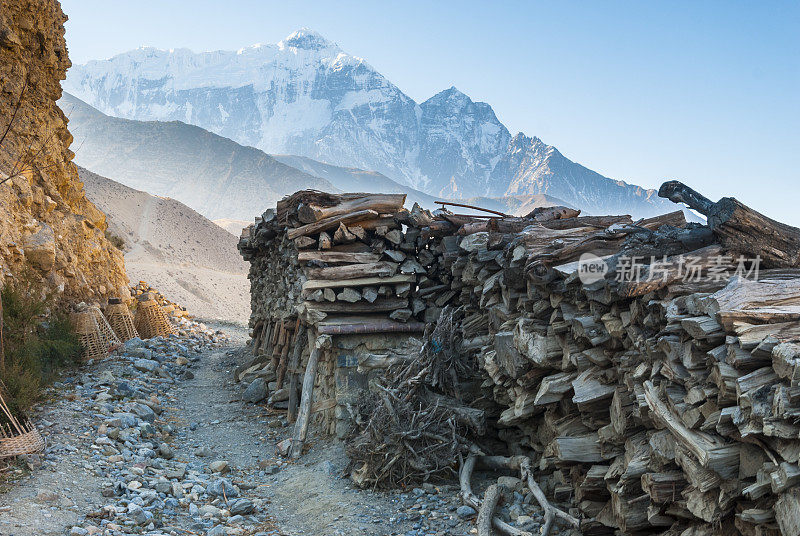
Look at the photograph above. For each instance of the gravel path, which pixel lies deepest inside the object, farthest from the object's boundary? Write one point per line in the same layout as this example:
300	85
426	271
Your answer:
156	440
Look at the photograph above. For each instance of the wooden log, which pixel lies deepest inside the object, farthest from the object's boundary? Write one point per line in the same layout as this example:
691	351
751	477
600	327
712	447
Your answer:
354	271
555	212
596	222
304	242
741	228
313	284
756	302
486	511
659	276
664	487
379	305
325	241
304	412
583	449
712	452
294	362
331	223
370	326
336	257
787	512
380	203
675	219
343	235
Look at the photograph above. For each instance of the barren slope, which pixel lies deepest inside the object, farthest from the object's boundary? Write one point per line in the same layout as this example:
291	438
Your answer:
184	255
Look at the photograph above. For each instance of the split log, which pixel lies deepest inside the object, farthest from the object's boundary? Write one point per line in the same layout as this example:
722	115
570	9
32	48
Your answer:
712	452
379	203
378	305
335	257
313	284
741	228
654	277
294	362
331	223
354	271
304	412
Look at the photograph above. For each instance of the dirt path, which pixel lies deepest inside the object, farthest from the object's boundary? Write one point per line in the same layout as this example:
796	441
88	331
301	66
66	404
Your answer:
204	421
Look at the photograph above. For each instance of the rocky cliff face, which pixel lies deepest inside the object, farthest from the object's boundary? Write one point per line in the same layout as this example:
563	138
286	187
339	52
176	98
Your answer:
48	227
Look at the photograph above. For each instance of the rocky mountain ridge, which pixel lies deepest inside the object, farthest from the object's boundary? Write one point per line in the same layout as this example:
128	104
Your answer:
220	178
306	96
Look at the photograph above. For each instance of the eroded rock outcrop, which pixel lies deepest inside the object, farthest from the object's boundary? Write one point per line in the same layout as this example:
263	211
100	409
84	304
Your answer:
49	228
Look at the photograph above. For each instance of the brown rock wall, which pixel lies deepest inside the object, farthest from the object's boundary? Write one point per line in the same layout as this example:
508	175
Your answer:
48	226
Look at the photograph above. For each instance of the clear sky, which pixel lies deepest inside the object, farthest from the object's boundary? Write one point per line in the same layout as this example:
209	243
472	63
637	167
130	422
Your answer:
706	92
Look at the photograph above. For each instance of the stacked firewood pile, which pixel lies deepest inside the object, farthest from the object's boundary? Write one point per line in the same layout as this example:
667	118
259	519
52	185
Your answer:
339	257
646	372
661	395
326	264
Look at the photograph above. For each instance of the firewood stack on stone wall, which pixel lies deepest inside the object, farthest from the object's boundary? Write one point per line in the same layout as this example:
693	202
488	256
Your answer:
327	264
656	391
337	257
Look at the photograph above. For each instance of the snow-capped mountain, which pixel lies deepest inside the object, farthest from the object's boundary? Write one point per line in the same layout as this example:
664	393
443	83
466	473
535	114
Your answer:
305	96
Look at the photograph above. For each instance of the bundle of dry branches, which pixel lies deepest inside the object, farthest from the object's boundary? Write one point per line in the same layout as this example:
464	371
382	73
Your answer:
415	426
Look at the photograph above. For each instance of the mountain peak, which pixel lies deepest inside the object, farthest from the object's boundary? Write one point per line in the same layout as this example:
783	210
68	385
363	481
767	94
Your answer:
451	94
306	39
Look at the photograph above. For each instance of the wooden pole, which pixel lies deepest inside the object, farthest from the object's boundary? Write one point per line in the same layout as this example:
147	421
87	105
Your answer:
294	362
301	426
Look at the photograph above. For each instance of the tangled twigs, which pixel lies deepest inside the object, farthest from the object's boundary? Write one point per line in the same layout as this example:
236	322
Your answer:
515	463
415	421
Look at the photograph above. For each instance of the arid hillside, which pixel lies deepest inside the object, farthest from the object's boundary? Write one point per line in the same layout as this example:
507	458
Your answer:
187	257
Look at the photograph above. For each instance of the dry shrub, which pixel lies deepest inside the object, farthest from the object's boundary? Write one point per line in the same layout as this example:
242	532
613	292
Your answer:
415	425
36	341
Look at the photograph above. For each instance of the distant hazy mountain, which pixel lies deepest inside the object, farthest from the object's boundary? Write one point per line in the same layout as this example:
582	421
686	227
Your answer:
356	180
306	96
212	174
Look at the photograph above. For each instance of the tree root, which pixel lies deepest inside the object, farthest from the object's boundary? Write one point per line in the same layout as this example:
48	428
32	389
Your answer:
515	463
550	511
486	512
472	500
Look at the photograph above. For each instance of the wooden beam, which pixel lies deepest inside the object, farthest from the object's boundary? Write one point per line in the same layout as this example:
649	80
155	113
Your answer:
371	326
313	284
331	223
354	271
336	257
379	305
380	203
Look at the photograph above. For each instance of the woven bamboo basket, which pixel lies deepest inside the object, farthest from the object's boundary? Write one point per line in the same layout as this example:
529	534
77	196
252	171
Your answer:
151	320
18	438
95	345
106	331
121	320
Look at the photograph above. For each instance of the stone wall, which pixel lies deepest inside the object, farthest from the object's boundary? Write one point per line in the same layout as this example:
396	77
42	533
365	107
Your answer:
49	228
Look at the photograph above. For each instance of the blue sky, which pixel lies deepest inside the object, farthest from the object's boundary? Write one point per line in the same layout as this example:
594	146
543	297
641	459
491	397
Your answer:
706	92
